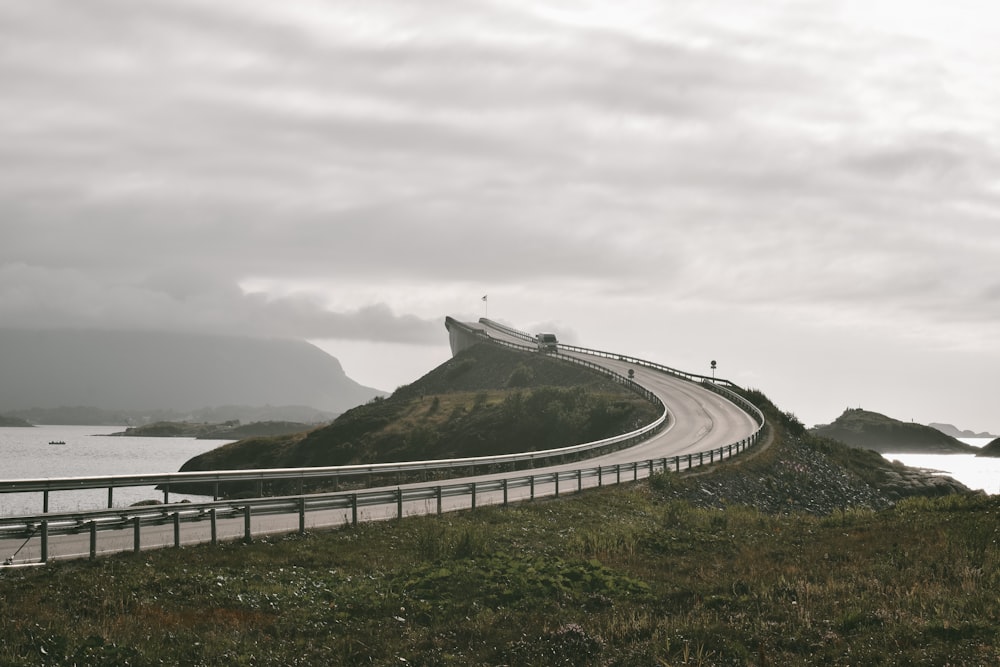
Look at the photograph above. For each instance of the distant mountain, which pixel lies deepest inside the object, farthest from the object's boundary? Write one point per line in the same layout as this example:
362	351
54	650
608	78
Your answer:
871	430
948	429
144	371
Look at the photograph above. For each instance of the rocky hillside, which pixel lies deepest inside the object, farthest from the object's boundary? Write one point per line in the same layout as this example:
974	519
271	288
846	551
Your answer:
796	471
871	430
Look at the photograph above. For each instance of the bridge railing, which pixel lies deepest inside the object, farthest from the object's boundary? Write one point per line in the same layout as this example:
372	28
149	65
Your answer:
395	501
717	385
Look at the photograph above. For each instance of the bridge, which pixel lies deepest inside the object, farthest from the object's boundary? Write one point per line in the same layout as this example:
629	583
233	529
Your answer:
703	421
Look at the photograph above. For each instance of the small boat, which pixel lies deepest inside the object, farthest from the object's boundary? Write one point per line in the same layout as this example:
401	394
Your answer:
57	442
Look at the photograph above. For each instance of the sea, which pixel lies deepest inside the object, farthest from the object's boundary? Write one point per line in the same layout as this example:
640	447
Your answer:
977	473
25	453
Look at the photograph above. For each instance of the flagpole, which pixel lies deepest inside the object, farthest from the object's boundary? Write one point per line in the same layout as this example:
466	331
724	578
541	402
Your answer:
486	306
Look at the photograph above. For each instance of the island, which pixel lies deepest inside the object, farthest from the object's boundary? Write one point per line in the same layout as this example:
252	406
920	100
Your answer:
870	430
229	430
14	422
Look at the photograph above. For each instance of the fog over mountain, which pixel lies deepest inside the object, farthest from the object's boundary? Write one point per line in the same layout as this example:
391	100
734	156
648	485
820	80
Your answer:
118	370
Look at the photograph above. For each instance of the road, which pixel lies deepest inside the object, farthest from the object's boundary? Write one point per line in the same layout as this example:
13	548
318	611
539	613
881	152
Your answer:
699	420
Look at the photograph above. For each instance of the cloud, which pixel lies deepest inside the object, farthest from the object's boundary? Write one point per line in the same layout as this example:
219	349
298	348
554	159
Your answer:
359	172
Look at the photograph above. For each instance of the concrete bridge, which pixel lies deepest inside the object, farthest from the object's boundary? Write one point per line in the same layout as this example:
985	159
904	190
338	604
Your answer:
703	421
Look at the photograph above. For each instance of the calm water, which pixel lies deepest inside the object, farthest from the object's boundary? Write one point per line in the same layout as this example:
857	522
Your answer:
25	453
973	471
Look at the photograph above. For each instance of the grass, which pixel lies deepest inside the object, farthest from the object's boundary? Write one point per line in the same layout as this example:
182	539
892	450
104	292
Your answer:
610	577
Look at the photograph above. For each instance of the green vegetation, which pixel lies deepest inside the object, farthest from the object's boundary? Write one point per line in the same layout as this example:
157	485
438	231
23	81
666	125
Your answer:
486	401
612	577
724	567
14	422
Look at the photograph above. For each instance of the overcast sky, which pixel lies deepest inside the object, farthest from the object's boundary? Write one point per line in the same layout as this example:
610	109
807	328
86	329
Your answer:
806	191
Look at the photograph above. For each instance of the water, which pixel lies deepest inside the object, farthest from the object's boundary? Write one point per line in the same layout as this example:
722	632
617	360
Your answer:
975	472
25	453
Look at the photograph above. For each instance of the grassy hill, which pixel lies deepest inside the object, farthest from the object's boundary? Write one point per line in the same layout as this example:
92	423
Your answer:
793	554
871	430
488	400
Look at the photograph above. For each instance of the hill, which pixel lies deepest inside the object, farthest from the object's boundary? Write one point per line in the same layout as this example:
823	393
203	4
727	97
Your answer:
992	449
871	430
143	371
13	422
487	400
232	430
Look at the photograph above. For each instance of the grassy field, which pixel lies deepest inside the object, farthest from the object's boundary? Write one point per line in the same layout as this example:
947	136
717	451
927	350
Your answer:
611	577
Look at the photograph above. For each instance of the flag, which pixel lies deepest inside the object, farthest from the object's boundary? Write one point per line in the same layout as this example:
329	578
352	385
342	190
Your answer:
484	297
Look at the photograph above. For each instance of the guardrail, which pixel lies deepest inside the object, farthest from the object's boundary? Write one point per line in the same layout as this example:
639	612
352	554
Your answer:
134	519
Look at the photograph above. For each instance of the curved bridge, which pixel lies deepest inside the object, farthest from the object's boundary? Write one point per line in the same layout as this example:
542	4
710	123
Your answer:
705	414
702	422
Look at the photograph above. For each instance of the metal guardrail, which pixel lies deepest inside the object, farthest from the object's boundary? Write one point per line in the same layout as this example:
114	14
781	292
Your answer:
135	517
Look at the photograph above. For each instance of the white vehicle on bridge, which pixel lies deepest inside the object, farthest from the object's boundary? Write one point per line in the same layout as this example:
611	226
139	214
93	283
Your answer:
547	342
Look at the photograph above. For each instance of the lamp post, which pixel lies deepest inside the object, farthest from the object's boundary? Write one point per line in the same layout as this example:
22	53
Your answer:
713	370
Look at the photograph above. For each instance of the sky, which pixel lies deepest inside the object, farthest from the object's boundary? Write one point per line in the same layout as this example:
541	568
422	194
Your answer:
807	192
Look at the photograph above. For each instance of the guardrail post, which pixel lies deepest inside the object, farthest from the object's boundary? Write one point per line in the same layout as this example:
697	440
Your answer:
354	509
437	494
111	497
504	483
473	495
247	537
711	456
136	535
556	475
215	491
92	527
532	486
650	467
618	473
635	471
45	541
302	514
579	480
45	501
690	460
177	530
213	516
166	494
399	503
600	476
